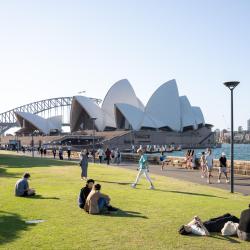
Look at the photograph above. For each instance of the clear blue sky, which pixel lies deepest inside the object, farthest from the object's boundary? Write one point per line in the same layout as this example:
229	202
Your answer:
57	48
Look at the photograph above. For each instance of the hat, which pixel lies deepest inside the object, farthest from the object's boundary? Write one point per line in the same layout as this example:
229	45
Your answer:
223	154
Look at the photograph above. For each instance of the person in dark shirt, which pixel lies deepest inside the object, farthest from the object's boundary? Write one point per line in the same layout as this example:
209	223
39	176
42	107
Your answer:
85	192
223	167
244	225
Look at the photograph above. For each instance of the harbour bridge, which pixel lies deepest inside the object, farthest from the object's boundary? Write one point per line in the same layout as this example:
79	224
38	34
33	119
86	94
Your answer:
45	108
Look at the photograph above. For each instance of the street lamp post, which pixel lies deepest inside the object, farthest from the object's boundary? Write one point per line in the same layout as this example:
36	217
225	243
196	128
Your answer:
32	143
93	119
231	86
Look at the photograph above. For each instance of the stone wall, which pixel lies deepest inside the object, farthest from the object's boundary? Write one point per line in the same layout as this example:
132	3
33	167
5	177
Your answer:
240	167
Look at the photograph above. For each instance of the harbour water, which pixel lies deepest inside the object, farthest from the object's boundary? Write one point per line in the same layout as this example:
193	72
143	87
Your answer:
241	152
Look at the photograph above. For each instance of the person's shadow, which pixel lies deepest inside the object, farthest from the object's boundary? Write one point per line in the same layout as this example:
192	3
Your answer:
122	213
40	197
11	225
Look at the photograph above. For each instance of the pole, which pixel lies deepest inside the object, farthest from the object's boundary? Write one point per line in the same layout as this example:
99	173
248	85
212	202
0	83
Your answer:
93	140
32	136
232	143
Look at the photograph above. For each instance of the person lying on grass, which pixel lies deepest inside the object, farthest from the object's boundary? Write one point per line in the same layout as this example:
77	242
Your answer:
85	192
22	187
97	202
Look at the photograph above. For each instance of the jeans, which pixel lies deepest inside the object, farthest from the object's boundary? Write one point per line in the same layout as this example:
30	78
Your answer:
140	173
102	203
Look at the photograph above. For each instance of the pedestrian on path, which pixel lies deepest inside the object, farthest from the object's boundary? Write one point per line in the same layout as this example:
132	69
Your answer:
203	165
143	169
209	165
223	167
84	164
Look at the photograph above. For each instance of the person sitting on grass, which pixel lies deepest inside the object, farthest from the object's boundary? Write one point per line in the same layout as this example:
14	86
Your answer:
22	187
85	192
244	225
97	202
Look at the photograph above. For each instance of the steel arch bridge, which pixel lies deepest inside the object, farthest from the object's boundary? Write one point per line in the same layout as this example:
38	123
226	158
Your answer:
8	118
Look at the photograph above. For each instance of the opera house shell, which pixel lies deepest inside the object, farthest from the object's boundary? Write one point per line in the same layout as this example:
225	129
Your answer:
122	109
31	122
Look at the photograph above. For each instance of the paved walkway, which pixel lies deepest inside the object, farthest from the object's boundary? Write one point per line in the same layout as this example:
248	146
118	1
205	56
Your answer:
242	183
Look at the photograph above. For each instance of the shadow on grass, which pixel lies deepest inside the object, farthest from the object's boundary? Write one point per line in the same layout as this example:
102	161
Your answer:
115	182
190	193
226	238
10	226
126	214
4	173
13	161
40	197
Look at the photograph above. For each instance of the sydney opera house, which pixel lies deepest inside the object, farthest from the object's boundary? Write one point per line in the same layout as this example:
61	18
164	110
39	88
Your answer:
165	119
122	109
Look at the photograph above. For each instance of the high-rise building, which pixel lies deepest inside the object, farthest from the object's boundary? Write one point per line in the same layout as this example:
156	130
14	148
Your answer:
248	125
240	129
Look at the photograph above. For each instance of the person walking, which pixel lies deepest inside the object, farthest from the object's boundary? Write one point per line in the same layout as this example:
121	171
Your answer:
100	153
84	164
209	165
54	152
69	152
108	155
223	167
203	165
60	153
143	169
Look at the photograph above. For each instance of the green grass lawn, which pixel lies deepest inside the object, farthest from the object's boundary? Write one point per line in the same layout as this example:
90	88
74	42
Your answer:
149	219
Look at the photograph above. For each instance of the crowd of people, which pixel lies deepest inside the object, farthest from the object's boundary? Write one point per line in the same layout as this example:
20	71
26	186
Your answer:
206	164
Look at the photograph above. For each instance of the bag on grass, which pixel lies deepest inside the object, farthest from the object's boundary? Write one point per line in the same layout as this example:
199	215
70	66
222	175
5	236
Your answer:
230	228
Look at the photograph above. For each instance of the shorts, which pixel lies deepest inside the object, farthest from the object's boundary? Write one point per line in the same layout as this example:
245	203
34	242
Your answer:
222	170
209	168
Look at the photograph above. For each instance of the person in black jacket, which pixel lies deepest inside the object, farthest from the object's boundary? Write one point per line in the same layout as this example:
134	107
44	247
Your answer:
244	225
85	192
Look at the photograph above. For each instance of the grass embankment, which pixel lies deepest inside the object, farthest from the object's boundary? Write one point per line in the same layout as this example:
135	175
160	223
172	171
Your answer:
149	218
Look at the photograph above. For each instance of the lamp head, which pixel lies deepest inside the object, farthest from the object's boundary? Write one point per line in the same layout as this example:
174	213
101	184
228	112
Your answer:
231	85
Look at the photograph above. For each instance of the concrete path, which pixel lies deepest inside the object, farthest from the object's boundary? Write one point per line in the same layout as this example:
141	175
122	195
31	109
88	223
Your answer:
242	183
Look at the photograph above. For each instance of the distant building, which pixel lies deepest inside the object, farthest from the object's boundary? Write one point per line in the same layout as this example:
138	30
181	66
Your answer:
248	125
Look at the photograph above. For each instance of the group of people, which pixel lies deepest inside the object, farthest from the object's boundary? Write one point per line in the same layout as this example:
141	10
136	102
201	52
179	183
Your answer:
206	163
110	156
92	200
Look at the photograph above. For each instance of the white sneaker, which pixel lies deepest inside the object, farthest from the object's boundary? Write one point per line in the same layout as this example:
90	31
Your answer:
227	181
133	185
218	181
202	176
152	188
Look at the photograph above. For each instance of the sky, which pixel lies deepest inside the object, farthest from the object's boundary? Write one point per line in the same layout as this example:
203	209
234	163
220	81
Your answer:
53	48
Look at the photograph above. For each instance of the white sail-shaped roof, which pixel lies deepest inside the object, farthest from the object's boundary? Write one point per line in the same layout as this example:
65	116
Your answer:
120	92
83	109
187	115
164	105
132	114
199	118
39	123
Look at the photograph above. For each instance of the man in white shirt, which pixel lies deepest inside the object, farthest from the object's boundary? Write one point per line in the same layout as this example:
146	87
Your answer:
100	153
209	164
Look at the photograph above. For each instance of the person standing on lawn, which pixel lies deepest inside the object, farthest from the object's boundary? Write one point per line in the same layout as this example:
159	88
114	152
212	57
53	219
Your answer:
209	164
84	164
223	167
143	169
